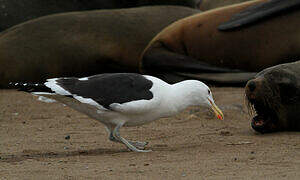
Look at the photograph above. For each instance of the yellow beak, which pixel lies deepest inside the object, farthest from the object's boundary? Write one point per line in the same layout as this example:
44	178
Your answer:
216	110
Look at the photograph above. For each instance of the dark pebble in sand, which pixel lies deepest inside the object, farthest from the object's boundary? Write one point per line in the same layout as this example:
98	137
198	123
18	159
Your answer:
225	133
67	137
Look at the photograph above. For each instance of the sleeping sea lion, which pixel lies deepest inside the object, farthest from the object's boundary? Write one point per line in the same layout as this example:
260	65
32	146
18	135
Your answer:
199	43
82	43
17	11
274	95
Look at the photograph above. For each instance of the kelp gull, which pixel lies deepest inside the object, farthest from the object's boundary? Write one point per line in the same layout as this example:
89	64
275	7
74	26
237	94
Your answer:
124	99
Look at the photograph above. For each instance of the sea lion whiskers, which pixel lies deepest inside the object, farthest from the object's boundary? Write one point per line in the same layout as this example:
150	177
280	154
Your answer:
250	106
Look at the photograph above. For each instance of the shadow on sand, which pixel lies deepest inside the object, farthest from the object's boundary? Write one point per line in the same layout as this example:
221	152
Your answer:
30	154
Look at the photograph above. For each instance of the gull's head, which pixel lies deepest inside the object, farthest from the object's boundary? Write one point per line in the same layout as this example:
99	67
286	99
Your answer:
201	95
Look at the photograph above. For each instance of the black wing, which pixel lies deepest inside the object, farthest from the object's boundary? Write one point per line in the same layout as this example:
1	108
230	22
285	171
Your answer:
106	89
259	12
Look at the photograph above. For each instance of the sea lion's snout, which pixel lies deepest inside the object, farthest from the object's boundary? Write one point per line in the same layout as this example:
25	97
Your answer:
251	86
252	89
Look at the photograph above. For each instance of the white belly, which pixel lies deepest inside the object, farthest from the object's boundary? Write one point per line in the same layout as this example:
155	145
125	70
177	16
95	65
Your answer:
110	117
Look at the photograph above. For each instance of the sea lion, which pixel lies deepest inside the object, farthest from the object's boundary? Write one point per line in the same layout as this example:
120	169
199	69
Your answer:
196	45
274	95
82	43
205	5
17	11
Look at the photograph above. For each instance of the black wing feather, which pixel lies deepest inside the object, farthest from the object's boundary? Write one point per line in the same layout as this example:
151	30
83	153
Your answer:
106	89
259	12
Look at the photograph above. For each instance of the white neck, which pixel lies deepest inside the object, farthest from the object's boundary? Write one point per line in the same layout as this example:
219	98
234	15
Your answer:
179	98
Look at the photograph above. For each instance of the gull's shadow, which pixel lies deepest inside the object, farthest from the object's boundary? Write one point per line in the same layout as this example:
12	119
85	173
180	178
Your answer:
44	155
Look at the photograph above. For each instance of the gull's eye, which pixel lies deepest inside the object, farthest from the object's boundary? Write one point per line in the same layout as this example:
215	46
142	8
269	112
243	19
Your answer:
208	92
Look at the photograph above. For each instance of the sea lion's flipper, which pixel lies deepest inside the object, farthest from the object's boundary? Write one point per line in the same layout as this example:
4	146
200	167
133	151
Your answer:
259	12
159	60
175	67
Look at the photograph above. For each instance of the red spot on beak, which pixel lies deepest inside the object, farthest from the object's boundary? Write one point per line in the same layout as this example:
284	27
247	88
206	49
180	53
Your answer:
220	117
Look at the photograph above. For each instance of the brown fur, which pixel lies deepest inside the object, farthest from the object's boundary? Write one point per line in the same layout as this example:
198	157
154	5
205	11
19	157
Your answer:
81	43
253	48
14	12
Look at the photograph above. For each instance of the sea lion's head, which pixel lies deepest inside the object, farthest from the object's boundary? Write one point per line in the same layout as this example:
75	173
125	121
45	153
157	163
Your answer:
274	99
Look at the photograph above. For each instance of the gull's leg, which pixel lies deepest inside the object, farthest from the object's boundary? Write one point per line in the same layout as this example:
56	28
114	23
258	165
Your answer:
138	144
111	137
117	135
